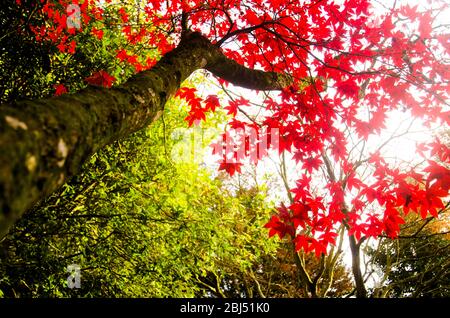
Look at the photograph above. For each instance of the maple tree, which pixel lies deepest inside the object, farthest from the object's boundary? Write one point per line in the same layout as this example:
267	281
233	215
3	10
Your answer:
340	68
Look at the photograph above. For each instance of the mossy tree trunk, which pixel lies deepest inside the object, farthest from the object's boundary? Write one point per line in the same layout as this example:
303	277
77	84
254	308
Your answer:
43	142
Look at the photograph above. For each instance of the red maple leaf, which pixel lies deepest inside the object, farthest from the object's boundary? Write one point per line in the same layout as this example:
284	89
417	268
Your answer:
122	55
186	93
300	214
276	226
71	47
357	229
123	15
60	89
101	78
232	108
283	213
98	33
196	114
425	25
438	180
348	88
211	102
392	221
328	238
302	242
353	182
230	167
311	164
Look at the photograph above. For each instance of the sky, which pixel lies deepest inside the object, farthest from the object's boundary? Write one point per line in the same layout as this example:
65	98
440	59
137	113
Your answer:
402	149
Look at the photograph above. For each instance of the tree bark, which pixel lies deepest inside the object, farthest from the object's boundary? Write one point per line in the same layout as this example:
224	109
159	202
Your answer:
361	291
44	142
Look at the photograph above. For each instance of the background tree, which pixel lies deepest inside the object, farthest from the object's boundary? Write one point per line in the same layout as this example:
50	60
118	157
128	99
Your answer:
281	274
418	264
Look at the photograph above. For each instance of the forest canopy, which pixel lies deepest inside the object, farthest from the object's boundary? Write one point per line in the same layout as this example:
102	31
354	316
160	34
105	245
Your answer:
224	148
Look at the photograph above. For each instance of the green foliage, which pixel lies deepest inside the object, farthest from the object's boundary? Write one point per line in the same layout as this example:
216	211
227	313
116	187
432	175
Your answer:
32	69
418	264
23	62
138	224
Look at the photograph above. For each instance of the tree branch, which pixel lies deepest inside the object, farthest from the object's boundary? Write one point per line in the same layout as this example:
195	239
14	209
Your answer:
239	75
46	141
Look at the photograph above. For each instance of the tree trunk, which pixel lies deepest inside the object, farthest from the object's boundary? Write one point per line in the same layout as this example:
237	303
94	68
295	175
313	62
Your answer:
361	291
43	142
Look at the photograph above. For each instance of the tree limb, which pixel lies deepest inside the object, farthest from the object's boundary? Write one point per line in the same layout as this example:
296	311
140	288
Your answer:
44	142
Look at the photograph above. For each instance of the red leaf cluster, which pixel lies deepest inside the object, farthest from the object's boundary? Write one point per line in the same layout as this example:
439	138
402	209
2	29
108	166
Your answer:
101	78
